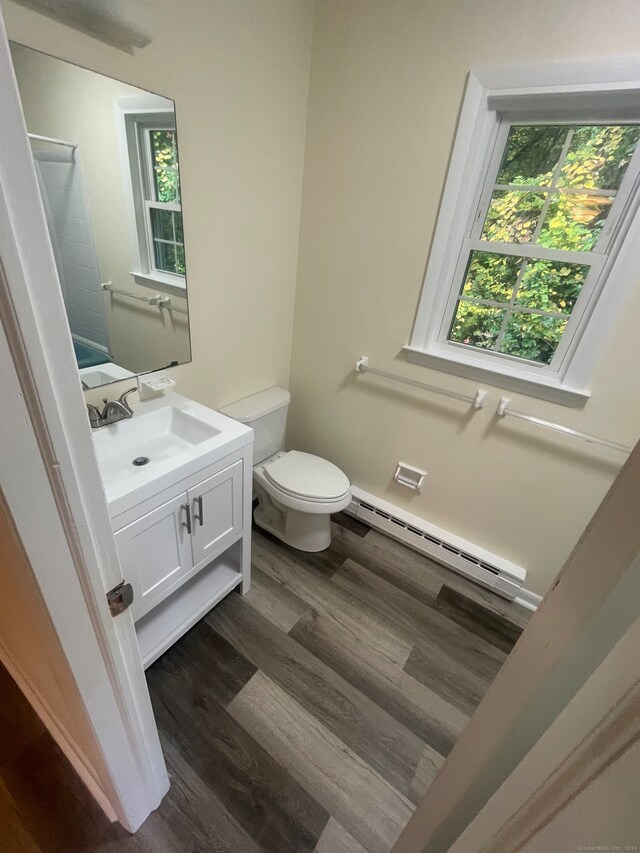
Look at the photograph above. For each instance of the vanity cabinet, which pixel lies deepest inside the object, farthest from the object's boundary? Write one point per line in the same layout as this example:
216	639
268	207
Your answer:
155	554
164	547
185	548
216	514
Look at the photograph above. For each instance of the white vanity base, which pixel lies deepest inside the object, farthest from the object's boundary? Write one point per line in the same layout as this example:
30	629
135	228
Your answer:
160	628
182	519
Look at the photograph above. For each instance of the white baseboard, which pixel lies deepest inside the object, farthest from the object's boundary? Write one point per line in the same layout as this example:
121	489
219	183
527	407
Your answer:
506	578
528	599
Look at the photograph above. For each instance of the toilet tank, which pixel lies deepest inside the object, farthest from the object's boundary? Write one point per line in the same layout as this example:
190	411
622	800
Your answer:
266	414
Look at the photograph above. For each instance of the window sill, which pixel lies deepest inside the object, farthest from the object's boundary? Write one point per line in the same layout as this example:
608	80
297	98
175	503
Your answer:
157	281
542	388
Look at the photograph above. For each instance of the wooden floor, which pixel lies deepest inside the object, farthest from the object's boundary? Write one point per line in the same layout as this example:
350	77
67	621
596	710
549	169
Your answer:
310	715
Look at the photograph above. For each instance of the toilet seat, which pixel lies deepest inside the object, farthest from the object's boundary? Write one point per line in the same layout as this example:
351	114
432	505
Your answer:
307	477
297	495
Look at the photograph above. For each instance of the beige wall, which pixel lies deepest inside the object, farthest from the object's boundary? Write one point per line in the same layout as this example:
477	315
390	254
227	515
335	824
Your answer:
239	75
386	86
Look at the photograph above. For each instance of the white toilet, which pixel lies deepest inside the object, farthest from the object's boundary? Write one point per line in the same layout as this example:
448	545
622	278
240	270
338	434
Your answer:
297	492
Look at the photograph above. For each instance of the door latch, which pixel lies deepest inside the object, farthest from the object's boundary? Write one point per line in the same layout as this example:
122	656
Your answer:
120	598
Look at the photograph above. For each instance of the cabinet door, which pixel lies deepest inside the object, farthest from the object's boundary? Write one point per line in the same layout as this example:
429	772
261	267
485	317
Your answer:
216	510
155	553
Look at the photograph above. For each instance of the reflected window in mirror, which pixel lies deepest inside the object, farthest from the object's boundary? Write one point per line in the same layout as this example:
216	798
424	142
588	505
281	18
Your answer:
155	184
162	202
163	208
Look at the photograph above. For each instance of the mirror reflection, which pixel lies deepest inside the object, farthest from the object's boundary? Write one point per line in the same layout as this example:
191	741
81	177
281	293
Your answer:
106	158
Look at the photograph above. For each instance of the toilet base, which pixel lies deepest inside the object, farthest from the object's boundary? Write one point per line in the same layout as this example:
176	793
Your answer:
304	531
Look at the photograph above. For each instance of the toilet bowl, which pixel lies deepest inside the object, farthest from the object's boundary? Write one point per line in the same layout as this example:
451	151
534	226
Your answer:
297	492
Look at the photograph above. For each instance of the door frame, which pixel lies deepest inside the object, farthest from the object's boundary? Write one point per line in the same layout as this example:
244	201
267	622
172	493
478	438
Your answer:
53	490
594	730
487	753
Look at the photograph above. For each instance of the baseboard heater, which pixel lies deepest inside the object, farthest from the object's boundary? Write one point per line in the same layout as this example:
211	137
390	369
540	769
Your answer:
481	566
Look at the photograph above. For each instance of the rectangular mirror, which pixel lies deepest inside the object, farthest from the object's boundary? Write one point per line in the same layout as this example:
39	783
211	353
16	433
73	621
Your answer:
106	158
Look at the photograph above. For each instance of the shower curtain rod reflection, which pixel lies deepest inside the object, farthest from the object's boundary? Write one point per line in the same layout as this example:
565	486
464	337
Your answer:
52	140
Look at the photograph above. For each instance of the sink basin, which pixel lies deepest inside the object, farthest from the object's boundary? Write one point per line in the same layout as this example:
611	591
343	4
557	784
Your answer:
166	439
103	374
155	437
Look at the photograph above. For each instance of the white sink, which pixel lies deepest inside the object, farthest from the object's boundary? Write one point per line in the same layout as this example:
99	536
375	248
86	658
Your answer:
169	438
103	374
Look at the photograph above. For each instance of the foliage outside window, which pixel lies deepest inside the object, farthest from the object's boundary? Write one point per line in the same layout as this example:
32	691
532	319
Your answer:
538	237
162	201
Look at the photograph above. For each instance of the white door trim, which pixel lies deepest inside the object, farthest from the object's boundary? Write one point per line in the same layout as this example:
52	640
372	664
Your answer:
595	729
606	550
52	486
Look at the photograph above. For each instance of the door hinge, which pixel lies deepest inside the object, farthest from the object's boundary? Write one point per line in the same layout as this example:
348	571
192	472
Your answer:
120	598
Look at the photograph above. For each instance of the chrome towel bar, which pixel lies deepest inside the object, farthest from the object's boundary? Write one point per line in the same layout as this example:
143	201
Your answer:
477	400
504	410
157	300
52	140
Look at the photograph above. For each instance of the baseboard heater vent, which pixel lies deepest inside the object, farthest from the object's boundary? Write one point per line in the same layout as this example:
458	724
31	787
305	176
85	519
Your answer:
481	566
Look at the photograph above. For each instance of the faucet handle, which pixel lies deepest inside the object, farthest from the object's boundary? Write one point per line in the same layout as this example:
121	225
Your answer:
124	401
94	415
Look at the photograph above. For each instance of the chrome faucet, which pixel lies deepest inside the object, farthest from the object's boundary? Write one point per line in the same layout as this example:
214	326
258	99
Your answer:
113	411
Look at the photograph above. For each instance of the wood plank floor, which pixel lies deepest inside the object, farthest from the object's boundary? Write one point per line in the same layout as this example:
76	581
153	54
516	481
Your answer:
310	715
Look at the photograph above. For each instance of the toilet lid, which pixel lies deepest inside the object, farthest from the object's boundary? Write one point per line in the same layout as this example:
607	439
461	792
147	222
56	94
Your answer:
307	476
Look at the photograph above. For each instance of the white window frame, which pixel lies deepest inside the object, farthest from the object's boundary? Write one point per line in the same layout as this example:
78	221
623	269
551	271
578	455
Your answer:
135	117
145	127
560	93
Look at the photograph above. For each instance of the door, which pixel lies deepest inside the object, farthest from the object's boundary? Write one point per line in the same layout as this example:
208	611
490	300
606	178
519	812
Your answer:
155	553
54	497
575	784
216	510
579	621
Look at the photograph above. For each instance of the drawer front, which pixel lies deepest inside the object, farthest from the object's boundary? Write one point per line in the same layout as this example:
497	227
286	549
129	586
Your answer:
216	512
155	552
192	481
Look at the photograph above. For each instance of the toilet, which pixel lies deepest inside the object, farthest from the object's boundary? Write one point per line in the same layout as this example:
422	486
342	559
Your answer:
297	492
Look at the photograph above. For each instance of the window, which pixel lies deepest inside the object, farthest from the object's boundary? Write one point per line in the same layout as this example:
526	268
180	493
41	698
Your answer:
150	142
540	238
163	217
521	276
